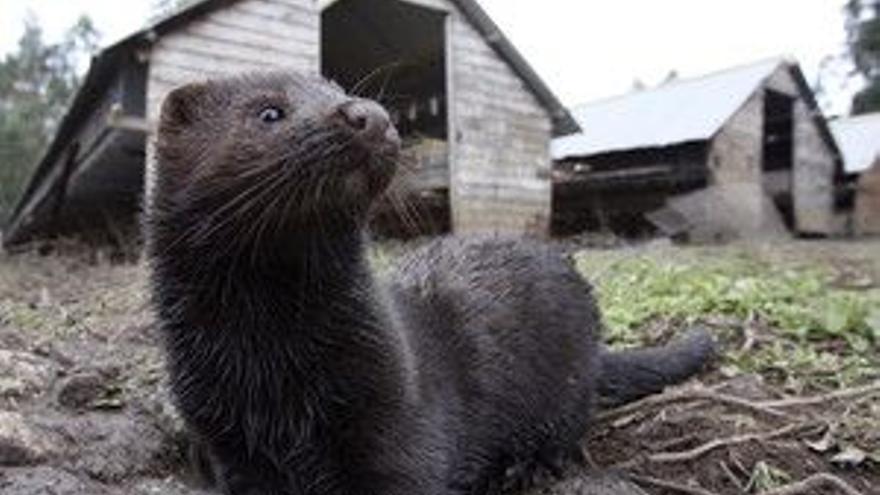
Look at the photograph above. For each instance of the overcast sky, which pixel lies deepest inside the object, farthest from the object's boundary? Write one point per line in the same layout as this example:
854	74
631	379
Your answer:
584	49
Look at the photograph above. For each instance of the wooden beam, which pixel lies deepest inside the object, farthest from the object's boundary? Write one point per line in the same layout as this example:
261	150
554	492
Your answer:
116	119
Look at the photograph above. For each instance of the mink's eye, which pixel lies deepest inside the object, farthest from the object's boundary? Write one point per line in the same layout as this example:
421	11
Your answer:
271	114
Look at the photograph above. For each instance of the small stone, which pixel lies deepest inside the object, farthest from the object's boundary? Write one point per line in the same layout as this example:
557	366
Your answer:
113	447
45	480
24	374
850	457
21	444
85	390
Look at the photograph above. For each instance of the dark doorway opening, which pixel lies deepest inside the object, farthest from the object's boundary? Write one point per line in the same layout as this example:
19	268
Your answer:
778	153
395	52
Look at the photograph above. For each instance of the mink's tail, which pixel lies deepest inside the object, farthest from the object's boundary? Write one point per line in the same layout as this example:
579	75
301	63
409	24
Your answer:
632	374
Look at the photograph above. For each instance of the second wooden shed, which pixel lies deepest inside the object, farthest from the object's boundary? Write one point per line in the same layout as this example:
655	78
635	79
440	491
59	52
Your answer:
742	152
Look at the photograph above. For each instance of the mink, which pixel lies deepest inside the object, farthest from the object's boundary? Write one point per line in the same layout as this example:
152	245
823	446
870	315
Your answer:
475	363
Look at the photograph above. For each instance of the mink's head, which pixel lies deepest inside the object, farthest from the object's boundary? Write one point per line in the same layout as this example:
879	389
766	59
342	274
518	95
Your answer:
270	154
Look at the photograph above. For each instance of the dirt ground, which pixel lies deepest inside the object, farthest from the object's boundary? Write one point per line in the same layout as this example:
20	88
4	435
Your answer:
84	409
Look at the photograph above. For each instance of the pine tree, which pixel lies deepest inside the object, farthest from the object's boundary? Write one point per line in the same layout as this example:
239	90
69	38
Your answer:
36	83
863	39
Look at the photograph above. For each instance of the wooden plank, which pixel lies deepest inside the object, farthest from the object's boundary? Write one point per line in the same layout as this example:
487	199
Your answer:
473	107
307	5
481	80
422	181
440	5
534	147
491	73
214	63
475	48
476	182
205	63
220	49
285	13
177	68
483	114
270	25
258	31
500	101
95	124
505	145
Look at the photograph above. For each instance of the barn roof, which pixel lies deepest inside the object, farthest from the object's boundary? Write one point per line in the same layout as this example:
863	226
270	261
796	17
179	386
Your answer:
677	112
859	141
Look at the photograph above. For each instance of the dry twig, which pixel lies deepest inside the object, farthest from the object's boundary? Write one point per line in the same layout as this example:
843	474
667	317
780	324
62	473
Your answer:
847	393
731	475
690	394
814	482
687	455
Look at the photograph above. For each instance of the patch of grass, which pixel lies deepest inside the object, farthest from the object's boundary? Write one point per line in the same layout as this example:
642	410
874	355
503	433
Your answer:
805	326
766	477
34	320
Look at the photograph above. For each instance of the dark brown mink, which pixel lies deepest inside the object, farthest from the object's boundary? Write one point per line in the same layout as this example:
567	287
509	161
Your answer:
475	363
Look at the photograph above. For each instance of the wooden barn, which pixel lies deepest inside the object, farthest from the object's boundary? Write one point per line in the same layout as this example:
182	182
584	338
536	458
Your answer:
859	142
741	152
477	118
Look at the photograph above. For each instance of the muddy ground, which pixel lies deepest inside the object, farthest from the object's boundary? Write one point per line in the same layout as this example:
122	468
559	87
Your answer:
84	409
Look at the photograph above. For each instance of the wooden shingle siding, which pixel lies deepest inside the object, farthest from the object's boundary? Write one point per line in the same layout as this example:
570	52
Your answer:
246	36
736	154
263	34
500	177
290	12
813	178
813	165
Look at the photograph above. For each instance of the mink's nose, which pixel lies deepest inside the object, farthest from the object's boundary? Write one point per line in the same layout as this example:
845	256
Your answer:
370	123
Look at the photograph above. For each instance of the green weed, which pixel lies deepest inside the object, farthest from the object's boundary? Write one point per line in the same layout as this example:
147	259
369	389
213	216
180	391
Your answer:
810	327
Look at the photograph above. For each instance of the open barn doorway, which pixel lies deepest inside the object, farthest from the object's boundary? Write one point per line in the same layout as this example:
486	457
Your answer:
778	153
395	52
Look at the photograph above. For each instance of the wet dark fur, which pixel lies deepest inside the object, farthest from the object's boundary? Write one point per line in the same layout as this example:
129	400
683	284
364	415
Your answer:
301	374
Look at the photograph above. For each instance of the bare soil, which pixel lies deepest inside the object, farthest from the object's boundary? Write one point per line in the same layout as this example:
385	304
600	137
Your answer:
84	409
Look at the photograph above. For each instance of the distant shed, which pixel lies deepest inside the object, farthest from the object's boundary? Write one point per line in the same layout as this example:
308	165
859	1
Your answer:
475	114
747	142
859	141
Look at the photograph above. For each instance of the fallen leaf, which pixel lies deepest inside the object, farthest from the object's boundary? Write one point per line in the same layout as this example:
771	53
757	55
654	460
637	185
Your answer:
850	456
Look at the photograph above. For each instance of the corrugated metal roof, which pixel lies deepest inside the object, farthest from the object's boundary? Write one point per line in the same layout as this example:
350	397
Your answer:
676	112
859	141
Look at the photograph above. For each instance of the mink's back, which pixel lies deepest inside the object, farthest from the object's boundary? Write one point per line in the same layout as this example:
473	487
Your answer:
505	337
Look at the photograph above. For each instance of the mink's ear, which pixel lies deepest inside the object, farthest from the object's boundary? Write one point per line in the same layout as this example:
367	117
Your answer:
183	106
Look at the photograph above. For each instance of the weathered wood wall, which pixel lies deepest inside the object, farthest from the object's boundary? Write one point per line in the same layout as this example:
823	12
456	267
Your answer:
616	190
247	35
866	215
500	166
736	154
813	166
734	163
56	202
